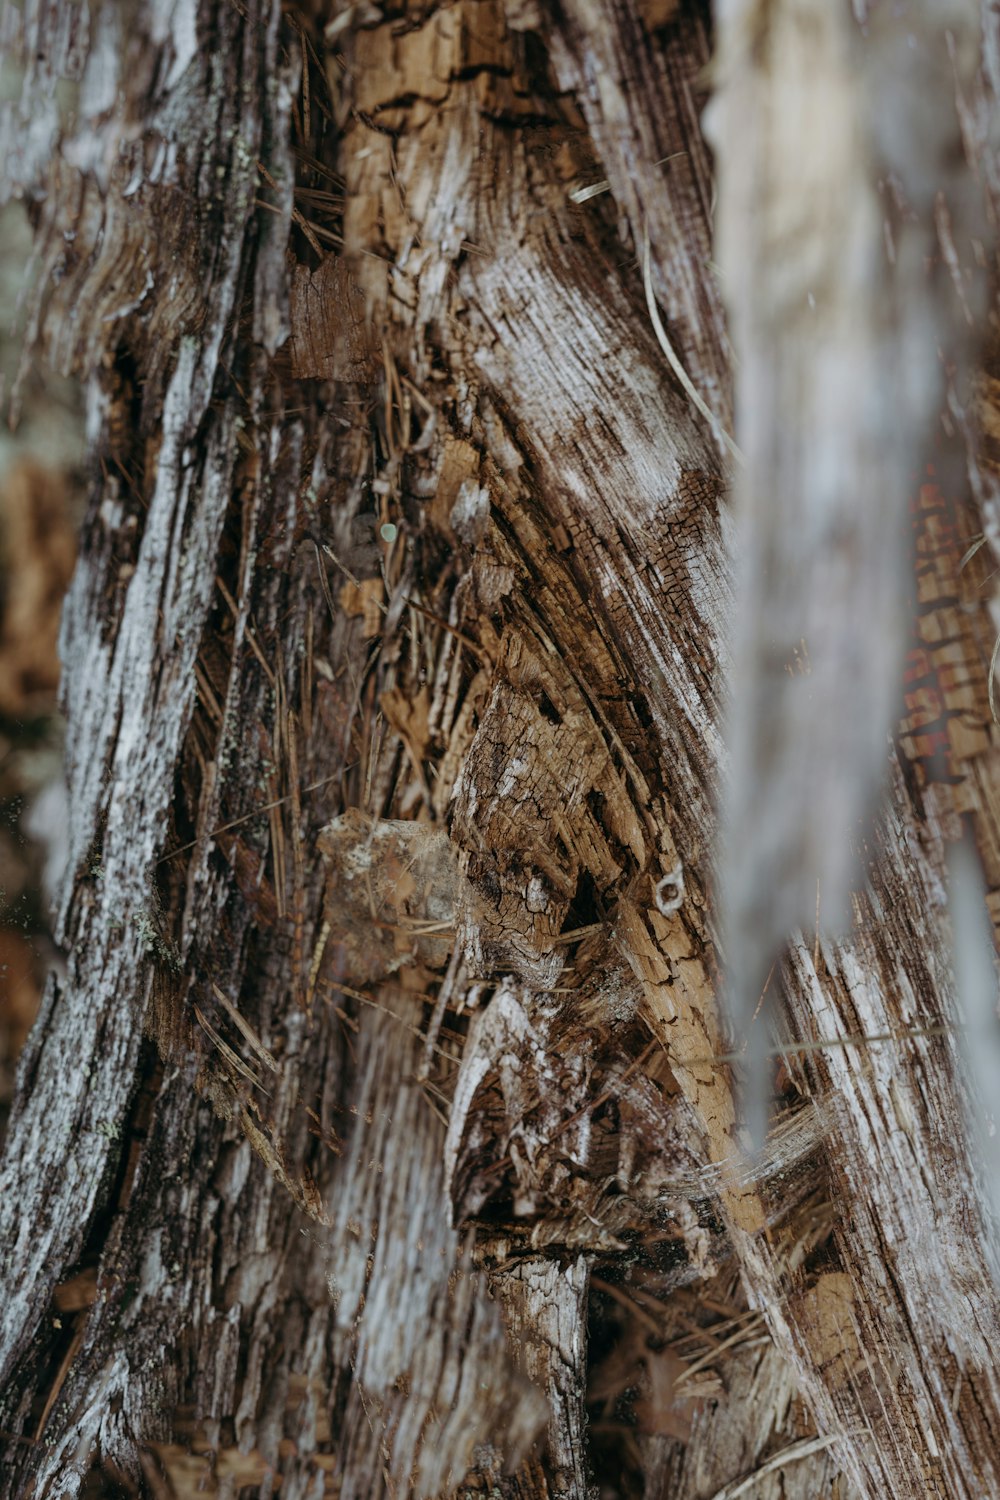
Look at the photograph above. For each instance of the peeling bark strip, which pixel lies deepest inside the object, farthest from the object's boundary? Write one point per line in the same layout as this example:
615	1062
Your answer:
379	1139
839	151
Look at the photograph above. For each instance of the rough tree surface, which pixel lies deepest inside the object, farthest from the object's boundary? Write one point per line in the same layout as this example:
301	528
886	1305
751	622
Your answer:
379	1133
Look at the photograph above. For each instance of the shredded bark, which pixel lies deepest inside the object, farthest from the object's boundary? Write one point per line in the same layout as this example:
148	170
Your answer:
383	1135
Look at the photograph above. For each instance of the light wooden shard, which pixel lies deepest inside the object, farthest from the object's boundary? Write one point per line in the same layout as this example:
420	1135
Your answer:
837	146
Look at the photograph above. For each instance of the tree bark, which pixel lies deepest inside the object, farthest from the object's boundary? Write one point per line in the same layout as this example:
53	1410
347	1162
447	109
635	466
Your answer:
381	1133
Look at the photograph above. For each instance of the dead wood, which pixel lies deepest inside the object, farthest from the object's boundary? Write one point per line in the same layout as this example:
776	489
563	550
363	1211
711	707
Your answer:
382	1135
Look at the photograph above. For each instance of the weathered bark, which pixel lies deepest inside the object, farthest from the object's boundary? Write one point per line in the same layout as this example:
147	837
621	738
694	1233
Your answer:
403	1156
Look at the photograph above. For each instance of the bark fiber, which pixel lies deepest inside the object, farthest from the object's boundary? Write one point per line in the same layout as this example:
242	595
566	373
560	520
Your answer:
380	1134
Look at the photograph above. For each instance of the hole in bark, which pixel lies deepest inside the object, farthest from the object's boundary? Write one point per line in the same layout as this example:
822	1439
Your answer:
641	710
548	710
106	1481
586	907
595	802
611	1395
669	892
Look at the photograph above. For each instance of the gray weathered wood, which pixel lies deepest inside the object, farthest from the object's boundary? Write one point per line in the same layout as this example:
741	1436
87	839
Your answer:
406	1157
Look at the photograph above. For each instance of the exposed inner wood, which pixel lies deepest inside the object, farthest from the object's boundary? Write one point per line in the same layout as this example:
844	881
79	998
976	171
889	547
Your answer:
383	1133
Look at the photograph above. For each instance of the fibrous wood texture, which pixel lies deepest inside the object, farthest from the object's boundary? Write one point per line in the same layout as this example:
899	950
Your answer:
380	1136
842	179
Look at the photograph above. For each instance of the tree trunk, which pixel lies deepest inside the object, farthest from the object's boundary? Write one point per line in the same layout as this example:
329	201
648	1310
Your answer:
381	1134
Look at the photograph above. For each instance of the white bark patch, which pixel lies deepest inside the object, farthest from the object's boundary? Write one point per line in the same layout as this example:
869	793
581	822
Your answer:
978	993
177	26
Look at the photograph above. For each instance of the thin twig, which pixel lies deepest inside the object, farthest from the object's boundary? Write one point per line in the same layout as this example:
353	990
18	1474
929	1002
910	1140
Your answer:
862	1039
597	1283
790	1455
971	550
672	359
742	1337
595	189
592	190
240	1021
255	812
